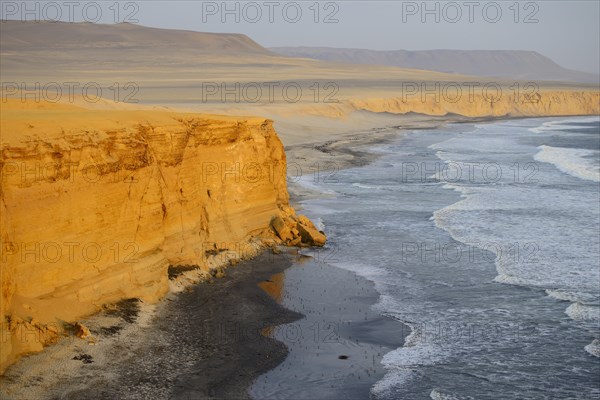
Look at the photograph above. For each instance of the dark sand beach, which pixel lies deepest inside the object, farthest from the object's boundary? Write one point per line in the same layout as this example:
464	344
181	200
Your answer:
215	339
336	348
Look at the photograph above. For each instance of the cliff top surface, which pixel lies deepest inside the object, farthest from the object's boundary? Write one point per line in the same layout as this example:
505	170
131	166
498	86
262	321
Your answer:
23	121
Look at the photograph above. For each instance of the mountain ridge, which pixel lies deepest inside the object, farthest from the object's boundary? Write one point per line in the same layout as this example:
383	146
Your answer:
515	64
122	35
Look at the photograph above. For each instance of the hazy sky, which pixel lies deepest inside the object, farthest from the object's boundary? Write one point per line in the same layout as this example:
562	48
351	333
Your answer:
566	31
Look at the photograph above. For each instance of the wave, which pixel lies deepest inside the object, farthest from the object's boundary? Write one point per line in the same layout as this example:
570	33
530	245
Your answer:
320	224
579	163
436	394
573	297
385	387
309	182
499	213
361	186
563	258
402	362
564	124
584	306
583	312
594	348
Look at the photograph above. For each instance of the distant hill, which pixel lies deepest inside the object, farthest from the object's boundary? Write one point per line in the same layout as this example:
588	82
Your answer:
71	36
512	64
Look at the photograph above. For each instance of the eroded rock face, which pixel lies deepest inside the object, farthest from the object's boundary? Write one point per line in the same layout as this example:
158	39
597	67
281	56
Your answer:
297	230
96	205
507	103
82	331
31	335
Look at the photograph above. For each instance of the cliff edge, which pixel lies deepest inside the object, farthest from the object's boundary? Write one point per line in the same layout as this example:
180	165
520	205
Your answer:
97	205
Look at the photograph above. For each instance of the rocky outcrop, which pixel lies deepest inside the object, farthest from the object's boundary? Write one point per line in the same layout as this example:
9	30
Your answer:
82	331
297	231
96	205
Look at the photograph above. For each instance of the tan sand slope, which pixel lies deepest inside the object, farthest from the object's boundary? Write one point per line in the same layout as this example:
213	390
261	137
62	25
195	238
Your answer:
205	73
230	74
43	35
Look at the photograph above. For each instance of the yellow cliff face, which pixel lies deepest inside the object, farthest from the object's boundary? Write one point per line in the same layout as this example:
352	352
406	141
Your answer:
96	204
503	103
506	102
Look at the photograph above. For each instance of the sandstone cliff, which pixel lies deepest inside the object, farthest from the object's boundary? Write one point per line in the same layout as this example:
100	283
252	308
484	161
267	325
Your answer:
504	103
97	204
440	99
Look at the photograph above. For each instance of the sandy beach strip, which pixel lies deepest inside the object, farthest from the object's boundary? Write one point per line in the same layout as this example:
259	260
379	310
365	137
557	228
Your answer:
335	349
214	340
205	342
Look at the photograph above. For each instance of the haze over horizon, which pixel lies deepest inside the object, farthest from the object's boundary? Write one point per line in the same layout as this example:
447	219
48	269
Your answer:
566	32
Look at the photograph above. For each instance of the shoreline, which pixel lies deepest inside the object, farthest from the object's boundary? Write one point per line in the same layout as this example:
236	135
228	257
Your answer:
214	340
131	324
72	347
206	342
325	157
338	152
336	349
246	276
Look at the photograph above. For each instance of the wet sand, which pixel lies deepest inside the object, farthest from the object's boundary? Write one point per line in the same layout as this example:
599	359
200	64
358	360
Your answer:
204	343
215	339
336	348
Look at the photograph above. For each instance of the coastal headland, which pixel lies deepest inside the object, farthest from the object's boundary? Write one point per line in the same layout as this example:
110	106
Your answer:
179	171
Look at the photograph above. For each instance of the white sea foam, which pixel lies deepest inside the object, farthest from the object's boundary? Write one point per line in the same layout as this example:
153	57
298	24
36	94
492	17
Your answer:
575	162
563	124
401	363
393	379
573	297
566	245
594	348
320	224
362	186
584	312
437	394
309	182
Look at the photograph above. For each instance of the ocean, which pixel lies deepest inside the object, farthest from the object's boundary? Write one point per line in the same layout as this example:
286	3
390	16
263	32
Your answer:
484	239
